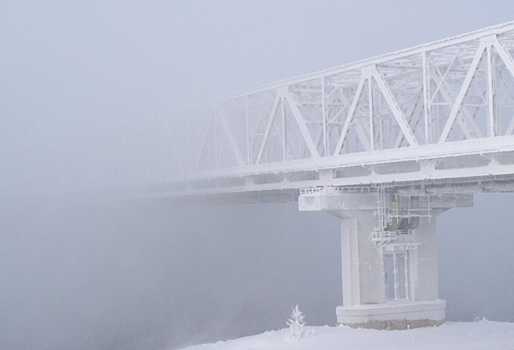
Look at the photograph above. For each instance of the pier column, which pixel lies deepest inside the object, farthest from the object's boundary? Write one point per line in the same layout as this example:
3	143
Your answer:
361	262
389	255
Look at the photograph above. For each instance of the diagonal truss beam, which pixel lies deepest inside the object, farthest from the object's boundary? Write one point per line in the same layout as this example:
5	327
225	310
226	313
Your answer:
363	134
230	137
465	120
265	137
301	124
504	55
351	114
510	128
204	142
509	64
415	116
462	94
397	112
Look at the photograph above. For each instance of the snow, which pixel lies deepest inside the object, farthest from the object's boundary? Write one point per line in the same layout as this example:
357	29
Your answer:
452	335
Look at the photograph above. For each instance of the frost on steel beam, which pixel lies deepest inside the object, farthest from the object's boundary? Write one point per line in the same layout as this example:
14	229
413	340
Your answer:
509	64
230	137
349	117
441	44
505	56
203	143
415	116
462	82
303	128
462	93
371	121
324	118
465	120
364	135
492	119
397	112
426	98
510	128
271	119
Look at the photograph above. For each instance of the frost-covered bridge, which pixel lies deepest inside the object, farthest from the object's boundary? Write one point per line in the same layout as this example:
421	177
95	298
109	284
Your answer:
386	144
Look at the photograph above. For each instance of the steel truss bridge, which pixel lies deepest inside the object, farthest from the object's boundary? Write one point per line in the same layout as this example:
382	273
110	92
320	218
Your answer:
437	113
385	144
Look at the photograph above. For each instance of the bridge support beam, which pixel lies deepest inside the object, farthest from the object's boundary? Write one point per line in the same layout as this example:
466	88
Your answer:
393	286
389	255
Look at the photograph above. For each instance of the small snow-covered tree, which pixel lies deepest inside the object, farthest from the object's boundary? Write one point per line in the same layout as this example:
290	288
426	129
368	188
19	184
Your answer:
296	322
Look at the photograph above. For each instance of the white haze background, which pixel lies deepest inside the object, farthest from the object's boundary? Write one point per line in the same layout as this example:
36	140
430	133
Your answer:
86	93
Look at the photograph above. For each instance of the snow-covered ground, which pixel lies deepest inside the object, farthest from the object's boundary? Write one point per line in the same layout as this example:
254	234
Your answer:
452	335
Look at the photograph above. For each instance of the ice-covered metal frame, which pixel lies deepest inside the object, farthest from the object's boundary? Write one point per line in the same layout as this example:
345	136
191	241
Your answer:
443	110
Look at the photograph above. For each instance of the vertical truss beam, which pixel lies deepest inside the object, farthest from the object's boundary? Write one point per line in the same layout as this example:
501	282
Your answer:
492	119
247	131
426	99
324	116
284	130
371	119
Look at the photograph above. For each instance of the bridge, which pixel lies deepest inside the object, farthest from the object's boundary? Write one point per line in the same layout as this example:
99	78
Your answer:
385	144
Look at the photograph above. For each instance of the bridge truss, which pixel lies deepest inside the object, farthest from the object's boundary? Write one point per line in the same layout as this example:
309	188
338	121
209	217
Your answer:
434	114
385	144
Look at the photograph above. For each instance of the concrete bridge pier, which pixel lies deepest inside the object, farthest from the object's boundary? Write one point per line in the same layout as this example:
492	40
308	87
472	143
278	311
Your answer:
389	255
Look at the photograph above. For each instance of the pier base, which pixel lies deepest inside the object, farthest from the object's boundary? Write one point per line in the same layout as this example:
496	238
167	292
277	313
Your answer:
393	315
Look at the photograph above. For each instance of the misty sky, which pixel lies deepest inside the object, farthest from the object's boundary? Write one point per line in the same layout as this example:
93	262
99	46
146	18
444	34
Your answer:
87	91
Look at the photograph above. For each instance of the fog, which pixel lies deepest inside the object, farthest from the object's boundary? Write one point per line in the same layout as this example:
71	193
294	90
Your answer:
87	91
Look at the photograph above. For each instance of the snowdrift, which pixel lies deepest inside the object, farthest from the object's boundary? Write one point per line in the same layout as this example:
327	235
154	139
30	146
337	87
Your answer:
450	336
